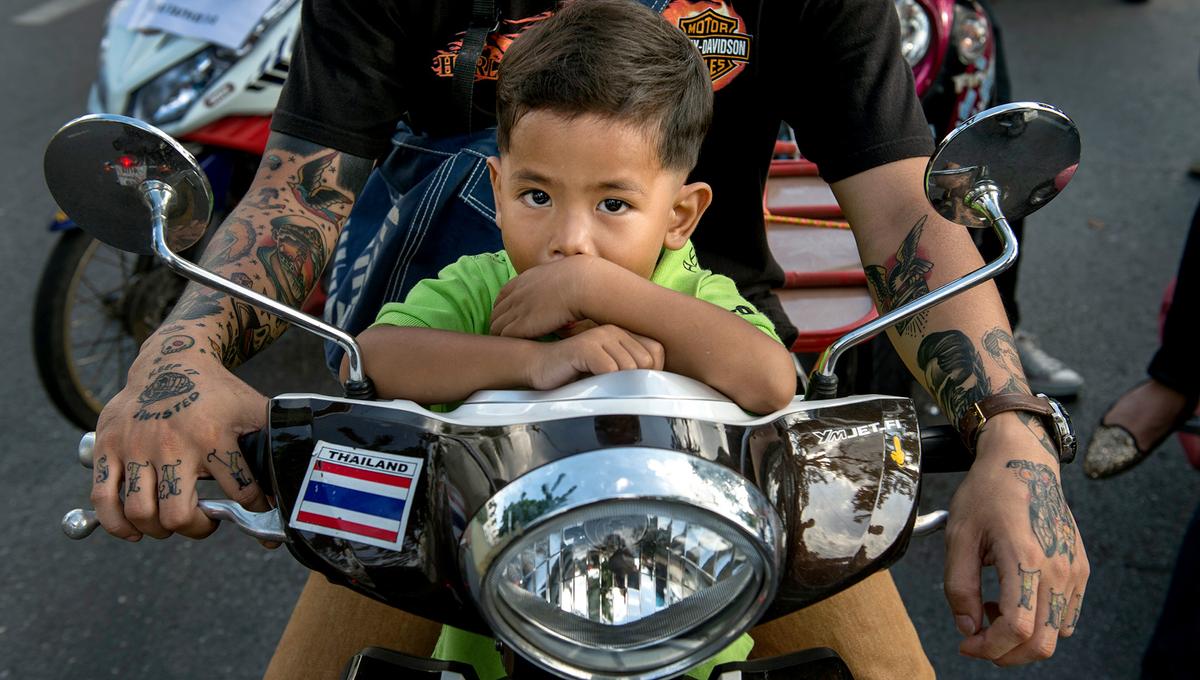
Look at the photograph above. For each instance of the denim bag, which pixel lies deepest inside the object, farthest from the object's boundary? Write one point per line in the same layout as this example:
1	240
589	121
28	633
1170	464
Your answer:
427	205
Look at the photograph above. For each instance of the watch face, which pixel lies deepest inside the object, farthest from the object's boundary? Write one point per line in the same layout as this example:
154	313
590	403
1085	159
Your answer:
1064	430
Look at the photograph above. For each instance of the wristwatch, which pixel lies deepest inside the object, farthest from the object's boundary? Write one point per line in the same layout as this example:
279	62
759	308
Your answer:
1053	415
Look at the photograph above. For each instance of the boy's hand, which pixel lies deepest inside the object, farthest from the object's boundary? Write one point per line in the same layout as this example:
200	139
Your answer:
545	298
603	349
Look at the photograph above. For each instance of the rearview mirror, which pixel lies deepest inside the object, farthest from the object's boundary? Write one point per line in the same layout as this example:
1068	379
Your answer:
130	185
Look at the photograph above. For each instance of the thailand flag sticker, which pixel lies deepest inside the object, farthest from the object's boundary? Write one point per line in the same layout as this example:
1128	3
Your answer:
357	495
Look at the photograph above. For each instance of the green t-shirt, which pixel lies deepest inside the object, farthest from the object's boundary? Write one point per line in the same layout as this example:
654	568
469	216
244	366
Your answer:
461	298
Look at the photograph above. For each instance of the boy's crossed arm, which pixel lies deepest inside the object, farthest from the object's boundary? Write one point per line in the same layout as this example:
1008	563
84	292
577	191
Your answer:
639	325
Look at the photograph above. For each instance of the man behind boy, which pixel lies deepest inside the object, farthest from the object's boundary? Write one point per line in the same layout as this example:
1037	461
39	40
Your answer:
595	212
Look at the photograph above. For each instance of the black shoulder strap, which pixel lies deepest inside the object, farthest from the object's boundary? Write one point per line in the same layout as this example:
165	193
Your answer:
484	19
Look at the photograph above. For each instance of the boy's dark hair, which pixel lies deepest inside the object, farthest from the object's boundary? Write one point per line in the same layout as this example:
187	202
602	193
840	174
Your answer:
612	58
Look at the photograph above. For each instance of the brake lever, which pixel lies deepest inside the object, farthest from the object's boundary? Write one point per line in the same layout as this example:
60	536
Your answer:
265	526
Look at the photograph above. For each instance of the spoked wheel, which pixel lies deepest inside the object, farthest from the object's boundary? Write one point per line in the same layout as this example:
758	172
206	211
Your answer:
95	305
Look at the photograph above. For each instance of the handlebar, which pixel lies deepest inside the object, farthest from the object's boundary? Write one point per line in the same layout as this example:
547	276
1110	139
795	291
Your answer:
265	526
942	450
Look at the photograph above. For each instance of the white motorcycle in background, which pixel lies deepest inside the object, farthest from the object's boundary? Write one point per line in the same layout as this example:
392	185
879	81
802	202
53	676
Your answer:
98	304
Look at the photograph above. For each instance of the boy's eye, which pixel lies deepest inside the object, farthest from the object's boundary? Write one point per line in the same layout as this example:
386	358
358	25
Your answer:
535	198
613	205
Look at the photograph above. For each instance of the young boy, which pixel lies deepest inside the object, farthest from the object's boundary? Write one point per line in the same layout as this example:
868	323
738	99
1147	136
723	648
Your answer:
601	112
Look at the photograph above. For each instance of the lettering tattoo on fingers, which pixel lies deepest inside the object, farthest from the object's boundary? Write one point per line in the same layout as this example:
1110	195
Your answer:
953	371
903	280
168	482
133	476
1058	606
232	460
102	470
1078	608
1029	581
1049	516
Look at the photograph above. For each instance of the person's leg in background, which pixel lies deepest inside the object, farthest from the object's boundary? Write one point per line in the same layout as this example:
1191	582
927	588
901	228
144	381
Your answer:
1145	415
1046	374
1171	653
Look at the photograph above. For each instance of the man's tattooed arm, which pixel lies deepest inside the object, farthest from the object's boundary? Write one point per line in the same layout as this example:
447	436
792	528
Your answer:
277	241
958	368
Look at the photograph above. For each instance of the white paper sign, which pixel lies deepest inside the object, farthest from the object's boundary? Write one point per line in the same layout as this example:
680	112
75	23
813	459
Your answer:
223	22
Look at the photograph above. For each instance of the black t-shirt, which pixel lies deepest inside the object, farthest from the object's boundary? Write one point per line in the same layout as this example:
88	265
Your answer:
830	68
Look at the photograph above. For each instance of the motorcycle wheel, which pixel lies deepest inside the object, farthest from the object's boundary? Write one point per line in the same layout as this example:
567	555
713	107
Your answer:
95	305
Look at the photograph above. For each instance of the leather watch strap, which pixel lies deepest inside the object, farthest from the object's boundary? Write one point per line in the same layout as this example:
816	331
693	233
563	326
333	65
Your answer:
984	409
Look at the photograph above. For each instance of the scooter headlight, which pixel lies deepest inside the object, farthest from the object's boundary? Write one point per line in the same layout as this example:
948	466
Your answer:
169	96
623	562
914	31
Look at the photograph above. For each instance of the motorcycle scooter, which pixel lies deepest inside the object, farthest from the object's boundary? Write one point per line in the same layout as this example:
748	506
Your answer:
626	525
99	304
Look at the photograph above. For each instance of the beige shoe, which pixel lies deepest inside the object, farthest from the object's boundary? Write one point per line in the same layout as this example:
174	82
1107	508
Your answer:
1113	448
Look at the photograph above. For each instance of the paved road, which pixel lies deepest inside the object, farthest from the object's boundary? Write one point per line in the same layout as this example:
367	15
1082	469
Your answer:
1097	261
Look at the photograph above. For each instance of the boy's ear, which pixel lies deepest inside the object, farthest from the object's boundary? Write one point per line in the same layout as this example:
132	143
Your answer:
493	163
690	203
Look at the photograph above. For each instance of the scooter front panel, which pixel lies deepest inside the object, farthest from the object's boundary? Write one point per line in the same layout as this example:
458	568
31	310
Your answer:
464	466
845	480
842	474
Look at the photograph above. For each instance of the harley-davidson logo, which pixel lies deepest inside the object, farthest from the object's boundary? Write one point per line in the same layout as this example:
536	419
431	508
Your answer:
488	65
721	40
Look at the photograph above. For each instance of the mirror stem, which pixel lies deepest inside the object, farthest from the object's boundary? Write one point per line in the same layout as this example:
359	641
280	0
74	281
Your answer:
985	199
158	195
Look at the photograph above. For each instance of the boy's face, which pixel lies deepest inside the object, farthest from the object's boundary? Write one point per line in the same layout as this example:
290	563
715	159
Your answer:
588	185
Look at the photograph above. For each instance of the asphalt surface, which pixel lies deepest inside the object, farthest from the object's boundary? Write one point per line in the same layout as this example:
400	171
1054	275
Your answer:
1095	265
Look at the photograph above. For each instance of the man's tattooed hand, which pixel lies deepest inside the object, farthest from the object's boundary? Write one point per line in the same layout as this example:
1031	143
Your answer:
1049	517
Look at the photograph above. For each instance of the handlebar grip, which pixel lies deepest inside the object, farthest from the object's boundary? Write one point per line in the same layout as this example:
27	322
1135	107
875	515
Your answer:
942	450
253	446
